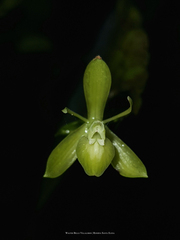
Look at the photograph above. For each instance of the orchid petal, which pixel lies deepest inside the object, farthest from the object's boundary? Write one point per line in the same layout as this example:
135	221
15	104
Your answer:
126	162
120	114
64	155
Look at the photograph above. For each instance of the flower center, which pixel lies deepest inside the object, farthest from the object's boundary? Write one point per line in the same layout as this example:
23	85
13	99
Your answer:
96	132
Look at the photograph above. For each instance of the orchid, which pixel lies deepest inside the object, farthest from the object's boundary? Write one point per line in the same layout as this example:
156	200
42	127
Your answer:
93	143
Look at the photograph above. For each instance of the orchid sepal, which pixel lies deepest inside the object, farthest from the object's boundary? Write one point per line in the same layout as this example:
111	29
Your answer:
97	83
125	161
64	154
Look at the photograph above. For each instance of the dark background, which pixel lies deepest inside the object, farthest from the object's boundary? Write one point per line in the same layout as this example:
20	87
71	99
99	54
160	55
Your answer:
36	85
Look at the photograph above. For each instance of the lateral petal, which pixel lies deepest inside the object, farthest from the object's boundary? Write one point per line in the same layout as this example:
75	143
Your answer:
126	162
64	154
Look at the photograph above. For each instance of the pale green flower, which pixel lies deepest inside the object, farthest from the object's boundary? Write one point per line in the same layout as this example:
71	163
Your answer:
93	144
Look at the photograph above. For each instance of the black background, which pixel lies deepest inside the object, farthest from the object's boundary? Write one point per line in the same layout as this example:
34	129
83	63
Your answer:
35	87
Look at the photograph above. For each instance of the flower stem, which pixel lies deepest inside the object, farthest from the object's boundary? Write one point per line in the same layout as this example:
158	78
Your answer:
67	110
120	114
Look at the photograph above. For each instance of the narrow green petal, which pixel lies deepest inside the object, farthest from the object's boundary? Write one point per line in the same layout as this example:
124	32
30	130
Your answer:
126	162
63	156
120	114
97	83
67	110
95	158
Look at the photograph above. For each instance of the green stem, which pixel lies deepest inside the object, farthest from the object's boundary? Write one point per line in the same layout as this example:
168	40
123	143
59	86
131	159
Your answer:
120	114
67	110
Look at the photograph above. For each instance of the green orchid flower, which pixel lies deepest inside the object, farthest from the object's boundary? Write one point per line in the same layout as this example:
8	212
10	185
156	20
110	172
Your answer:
93	143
